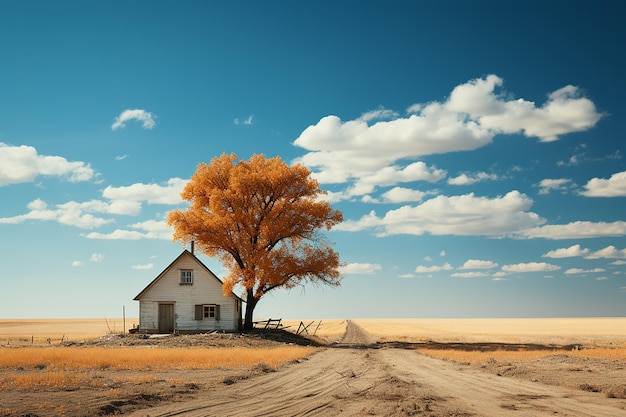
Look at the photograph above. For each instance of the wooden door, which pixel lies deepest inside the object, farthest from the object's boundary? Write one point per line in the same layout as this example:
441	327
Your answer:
166	318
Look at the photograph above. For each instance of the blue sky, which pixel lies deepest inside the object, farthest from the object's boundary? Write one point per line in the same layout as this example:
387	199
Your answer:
476	151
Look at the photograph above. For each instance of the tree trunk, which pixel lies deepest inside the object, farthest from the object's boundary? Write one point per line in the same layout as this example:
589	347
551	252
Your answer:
248	323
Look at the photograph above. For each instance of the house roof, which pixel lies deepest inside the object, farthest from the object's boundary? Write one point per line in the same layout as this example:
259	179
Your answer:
162	274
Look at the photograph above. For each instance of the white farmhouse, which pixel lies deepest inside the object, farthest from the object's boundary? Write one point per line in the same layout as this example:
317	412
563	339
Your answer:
187	298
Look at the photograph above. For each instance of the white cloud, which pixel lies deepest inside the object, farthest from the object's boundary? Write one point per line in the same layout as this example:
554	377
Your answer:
465	179
575	230
474	274
97	257
573	271
76	264
159	226
573	160
406	276
478	264
463	215
442	253
615	186
140	267
70	213
417	171
572	251
247	121
564	112
379	114
121	157
20	164
341	151
608	252
145	117
529	267
400	195
150	193
360	268
618	263
120	234
553	184
421	269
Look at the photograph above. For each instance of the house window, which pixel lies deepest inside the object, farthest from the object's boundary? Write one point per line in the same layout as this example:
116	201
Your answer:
207	312
186	276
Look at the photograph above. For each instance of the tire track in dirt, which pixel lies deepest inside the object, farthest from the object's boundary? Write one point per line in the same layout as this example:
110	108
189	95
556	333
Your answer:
353	380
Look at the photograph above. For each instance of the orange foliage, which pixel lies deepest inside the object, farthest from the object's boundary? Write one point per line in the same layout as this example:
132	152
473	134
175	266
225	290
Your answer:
260	218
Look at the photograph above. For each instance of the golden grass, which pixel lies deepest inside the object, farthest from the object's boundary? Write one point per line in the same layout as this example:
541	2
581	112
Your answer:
44	331
563	331
479	358
143	358
65	367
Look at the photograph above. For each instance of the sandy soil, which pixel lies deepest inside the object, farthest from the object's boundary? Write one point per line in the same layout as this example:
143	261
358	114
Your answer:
353	377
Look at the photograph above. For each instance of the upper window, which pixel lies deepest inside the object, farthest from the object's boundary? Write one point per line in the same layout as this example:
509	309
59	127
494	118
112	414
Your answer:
186	276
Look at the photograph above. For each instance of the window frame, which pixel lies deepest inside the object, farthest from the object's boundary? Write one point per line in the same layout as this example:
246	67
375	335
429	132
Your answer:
183	280
200	310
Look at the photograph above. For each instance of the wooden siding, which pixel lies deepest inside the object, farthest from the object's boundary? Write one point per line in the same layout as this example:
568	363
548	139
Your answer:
205	289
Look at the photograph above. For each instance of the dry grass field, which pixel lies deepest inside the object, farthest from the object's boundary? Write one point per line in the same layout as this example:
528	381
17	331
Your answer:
45	364
52	331
597	332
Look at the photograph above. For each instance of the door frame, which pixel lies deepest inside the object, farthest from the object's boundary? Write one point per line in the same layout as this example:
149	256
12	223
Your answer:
169	324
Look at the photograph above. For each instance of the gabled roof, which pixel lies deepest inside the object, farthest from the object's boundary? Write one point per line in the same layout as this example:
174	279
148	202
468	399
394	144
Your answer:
162	274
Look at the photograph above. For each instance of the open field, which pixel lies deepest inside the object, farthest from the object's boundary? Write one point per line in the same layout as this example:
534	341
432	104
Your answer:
597	332
380	367
50	331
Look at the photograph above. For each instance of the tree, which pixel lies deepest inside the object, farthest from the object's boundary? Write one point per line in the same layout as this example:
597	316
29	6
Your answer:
261	218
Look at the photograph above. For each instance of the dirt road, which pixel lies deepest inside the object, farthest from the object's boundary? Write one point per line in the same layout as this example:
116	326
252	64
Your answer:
355	379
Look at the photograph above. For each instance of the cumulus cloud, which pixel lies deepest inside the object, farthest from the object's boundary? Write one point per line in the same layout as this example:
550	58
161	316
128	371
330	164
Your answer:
397	195
553	184
421	269
122	201
478	264
20	164
379	114
465	179
119	234
71	213
610	252
150	193
573	271
76	264
529	267
474	274
572	251
615	186
565	111
575	230
360	268
341	151
141	267
145	117
463	215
